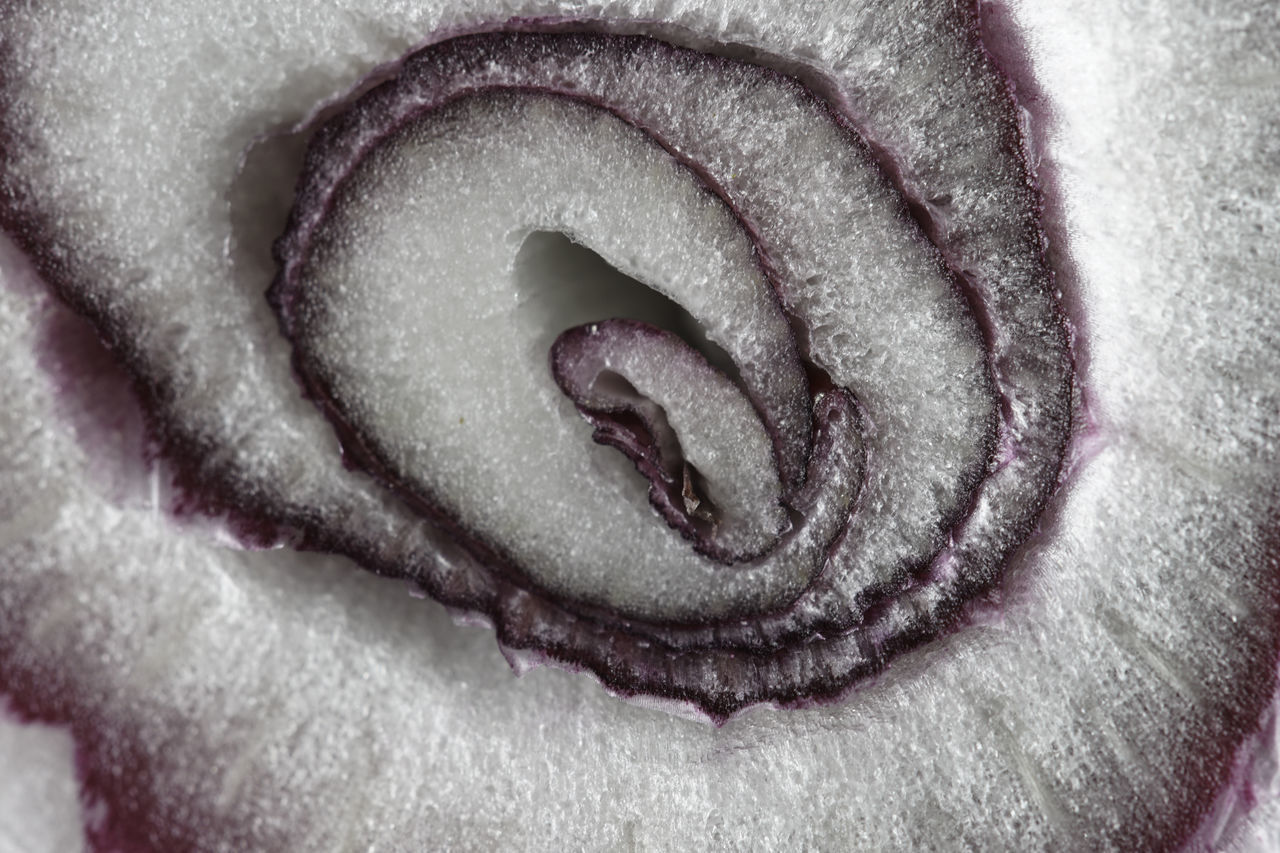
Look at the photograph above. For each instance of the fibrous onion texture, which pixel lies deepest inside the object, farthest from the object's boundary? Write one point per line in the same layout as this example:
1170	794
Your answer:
750	203
895	395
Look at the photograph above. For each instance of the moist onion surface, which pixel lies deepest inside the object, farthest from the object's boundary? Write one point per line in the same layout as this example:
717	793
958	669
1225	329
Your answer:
834	409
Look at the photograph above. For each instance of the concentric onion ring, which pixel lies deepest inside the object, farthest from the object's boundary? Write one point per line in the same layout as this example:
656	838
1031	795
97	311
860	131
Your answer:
965	386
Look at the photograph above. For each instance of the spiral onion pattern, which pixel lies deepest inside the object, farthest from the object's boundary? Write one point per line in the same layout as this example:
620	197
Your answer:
934	409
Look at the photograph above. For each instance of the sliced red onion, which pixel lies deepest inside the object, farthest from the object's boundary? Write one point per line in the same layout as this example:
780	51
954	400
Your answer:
411	360
370	292
275	700
465	138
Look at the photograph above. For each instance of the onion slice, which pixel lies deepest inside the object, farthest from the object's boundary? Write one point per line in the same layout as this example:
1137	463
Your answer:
398	289
228	697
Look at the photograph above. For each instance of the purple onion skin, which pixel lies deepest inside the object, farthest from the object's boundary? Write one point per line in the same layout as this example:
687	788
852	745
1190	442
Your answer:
119	776
637	431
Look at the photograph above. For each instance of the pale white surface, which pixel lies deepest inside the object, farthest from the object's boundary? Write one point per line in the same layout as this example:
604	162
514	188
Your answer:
39	791
335	712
